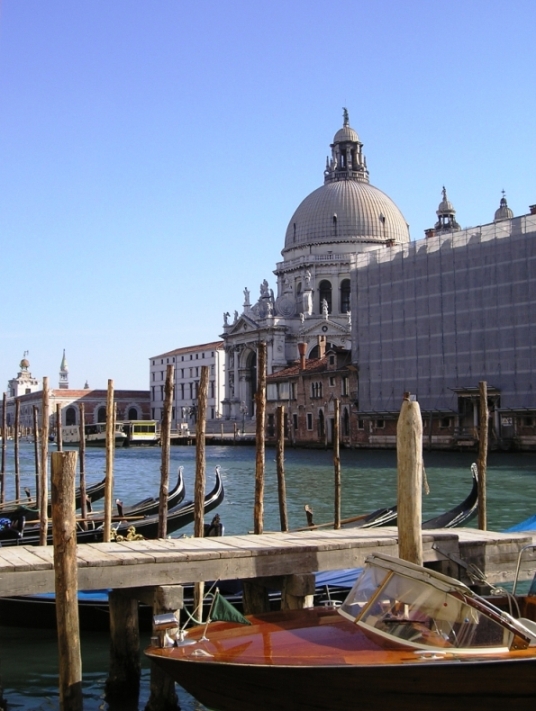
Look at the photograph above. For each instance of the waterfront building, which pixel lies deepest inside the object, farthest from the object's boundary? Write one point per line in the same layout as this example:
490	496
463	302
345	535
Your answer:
24	383
308	391
312	294
130	404
440	315
187	364
434	317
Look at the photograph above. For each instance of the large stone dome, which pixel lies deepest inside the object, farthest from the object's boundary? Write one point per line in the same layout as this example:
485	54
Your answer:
346	208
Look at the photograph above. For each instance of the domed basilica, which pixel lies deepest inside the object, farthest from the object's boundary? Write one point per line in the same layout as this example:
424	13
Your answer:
310	302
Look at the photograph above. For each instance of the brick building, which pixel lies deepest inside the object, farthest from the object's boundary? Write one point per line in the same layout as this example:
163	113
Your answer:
308	390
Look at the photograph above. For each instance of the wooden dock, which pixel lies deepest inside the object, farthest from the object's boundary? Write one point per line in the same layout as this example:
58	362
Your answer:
138	564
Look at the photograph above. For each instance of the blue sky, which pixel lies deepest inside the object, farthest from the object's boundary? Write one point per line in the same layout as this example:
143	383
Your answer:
152	153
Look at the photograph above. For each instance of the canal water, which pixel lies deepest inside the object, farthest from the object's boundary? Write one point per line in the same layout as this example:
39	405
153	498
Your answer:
28	657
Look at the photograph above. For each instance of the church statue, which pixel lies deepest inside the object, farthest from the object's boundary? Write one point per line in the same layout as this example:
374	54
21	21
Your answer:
246	297
264	288
325	308
235	317
226	315
307	279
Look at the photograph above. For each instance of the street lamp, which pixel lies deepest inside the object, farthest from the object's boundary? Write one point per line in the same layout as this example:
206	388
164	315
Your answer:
243	410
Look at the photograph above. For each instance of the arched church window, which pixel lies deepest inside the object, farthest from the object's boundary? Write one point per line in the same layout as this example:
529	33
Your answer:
324	292
334	225
345	296
101	414
294	232
70	416
132	413
298	288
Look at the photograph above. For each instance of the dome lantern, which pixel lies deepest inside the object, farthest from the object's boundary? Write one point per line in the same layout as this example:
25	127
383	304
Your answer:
347	208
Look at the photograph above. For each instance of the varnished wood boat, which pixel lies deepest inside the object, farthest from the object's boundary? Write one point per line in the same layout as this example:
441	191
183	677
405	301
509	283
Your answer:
406	638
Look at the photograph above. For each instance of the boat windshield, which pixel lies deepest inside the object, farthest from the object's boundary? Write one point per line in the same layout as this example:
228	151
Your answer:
402	611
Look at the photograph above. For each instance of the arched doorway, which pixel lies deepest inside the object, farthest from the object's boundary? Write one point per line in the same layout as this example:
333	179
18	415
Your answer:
251	383
70	416
132	413
101	414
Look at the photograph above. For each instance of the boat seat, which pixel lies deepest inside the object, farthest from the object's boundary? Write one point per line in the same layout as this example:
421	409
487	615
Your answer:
531	627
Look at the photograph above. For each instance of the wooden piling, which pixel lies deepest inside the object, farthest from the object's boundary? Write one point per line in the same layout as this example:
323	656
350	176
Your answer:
82	463
409	445
4	441
123	682
280	463
483	456
337	465
66	579
110	445
16	449
260	399
200	476
165	440
35	413
163	691
43	468
59	434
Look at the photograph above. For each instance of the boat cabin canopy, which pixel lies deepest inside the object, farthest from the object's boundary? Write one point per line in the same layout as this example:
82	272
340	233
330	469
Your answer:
402	605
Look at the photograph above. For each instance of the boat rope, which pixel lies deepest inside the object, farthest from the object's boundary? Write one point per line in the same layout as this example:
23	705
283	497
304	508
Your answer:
191	617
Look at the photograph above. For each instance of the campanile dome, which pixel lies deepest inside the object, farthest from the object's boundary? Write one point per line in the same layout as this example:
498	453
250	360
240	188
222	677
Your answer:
347	208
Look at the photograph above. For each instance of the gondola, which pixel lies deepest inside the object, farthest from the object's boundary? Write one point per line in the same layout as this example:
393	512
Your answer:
147	527
94	492
457	516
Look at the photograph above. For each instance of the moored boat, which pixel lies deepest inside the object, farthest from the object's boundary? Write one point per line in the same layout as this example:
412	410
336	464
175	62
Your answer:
406	638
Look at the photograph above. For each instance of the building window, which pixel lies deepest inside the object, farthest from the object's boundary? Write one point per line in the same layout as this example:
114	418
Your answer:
346	423
182	391
292	391
345	296
445	423
380	424
295	421
345	385
324	292
309	421
154	375
332	360
70	416
528	422
361	424
331	381
101	414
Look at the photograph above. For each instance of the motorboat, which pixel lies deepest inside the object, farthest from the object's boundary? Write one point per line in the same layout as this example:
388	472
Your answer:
406	637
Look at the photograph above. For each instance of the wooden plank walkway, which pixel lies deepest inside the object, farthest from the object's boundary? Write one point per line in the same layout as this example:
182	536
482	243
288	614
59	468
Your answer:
134	564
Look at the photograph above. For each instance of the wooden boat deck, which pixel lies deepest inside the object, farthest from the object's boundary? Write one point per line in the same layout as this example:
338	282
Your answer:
129	564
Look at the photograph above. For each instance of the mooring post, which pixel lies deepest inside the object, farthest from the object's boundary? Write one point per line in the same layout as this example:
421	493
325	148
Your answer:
123	683
280	461
35	412
110	442
163	692
4	440
260	397
59	433
66	579
16	451
165	440
337	466
200	476
410	469
483	456
82	463
43	469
